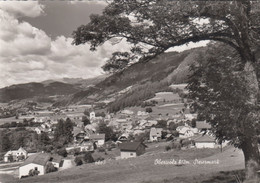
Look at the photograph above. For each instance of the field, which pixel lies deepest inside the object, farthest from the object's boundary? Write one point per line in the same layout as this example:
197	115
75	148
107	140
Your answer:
9	120
164	109
144	169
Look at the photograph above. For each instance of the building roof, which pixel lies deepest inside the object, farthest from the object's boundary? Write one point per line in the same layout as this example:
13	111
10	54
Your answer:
21	149
40	159
204	138
130	146
56	158
100	136
156	131
76	131
168	135
202	125
16	151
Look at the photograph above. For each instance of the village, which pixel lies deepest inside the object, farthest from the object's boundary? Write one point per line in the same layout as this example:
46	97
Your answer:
167	126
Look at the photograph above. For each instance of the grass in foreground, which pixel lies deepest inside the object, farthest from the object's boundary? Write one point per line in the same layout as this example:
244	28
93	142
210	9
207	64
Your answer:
220	177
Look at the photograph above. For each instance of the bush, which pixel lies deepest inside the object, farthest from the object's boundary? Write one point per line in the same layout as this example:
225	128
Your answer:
10	158
88	157
100	159
62	152
33	172
167	148
50	168
21	157
176	145
101	149
186	143
149	110
78	161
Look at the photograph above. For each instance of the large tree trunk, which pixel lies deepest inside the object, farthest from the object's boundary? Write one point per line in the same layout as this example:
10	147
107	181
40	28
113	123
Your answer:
251	82
250	144
252	159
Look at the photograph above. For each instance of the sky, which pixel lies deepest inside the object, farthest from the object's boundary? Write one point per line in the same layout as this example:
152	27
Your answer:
35	41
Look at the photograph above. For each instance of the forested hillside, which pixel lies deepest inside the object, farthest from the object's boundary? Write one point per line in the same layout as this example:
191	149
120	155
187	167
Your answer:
144	78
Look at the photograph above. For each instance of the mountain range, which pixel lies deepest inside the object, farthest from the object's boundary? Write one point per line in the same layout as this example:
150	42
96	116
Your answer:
170	68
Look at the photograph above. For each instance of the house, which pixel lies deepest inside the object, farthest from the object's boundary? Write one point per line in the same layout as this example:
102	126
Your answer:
155	134
203	125
131	149
92	115
123	137
38	162
35	162
99	139
56	161
16	155
137	132
127	112
205	141
185	131
78	134
86	145
169	137
38	130
142	113
190	116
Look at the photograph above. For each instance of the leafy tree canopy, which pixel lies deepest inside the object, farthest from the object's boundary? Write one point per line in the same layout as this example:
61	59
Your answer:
152	26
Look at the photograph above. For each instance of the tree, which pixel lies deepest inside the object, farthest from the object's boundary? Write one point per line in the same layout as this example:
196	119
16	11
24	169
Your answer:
62	152
221	97
152	27
161	124
88	157
44	139
172	126
5	142
85	120
63	131
101	114
33	172
193	123
86	112
78	161
108	131
10	158
50	168
149	110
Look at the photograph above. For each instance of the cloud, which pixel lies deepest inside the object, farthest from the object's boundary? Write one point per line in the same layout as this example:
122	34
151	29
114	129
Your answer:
76	2
19	9
28	54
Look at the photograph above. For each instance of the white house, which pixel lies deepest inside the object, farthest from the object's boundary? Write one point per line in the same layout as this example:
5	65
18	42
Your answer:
128	112
131	149
142	113
185	131
38	162
190	116
21	153
155	134
99	139
205	141
35	162
38	130
92	115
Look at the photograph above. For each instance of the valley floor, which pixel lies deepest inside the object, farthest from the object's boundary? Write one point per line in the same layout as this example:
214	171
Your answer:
144	169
